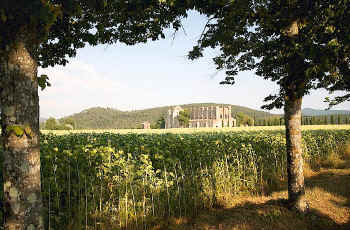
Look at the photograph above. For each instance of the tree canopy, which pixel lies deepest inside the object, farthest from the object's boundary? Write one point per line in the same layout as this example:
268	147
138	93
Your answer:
57	28
159	124
184	118
62	124
255	35
244	120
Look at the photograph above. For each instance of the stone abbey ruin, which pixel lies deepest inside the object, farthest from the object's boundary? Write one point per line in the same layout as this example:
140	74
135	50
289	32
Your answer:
209	116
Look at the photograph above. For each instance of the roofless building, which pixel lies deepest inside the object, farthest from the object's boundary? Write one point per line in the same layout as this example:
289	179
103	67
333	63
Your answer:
208	116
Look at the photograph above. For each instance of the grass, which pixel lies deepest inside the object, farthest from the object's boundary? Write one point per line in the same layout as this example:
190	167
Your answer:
196	130
328	194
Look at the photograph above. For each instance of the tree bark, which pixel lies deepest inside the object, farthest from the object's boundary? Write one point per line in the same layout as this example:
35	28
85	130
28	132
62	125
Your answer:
296	189
20	132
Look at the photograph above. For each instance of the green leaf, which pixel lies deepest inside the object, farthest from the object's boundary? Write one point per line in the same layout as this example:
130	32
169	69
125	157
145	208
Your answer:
43	81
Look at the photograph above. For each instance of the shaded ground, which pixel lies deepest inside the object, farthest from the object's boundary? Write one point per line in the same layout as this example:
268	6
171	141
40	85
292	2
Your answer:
328	193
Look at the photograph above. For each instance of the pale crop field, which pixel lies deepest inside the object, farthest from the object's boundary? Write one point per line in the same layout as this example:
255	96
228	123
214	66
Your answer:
195	130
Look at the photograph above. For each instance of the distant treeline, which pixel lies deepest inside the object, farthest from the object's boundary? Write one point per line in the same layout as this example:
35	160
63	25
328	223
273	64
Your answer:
339	119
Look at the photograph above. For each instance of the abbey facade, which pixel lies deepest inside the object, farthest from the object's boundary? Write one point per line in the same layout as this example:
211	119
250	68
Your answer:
209	116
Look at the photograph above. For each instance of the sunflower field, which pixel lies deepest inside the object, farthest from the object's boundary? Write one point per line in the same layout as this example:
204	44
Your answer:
118	181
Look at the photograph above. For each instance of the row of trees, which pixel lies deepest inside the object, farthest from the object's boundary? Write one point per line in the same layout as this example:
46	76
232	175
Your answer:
326	120
306	120
300	44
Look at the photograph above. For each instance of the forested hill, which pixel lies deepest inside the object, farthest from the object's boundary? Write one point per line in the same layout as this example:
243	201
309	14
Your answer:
107	118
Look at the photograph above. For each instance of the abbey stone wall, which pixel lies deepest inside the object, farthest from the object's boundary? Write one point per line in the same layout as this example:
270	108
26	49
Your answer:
209	116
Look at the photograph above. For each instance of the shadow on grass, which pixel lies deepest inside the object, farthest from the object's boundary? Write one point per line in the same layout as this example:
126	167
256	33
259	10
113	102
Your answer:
337	183
268	215
328	192
333	180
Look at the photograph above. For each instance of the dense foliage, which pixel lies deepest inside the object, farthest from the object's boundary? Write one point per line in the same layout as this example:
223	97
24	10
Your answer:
244	120
160	124
133	179
300	44
56	29
184	118
63	124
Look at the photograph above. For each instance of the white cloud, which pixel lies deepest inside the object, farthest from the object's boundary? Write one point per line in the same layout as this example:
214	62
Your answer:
79	86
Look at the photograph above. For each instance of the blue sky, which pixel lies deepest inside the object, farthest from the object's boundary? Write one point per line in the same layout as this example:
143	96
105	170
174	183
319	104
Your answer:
150	75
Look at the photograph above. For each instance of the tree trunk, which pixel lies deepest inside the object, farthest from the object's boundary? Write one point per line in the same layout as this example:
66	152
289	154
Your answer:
20	132
296	189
